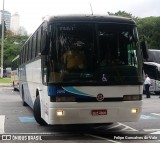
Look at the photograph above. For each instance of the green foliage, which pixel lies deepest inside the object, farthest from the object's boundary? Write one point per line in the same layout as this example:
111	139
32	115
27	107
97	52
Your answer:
5	80
124	14
150	28
12	45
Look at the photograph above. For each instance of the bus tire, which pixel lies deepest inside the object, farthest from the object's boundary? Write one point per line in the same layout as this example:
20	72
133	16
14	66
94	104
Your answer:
23	102
14	89
37	112
157	92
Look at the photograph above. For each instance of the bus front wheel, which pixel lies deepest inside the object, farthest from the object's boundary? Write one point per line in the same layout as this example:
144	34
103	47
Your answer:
37	112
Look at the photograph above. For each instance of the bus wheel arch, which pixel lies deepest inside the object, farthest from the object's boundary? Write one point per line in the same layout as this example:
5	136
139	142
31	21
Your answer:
23	102
37	111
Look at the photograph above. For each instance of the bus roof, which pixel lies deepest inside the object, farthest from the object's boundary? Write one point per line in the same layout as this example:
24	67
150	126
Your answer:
91	18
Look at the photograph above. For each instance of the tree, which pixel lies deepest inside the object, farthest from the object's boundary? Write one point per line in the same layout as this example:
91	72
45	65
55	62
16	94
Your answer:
124	14
12	46
149	27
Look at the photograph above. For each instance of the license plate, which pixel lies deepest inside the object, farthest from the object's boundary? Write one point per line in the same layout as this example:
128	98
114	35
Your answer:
99	112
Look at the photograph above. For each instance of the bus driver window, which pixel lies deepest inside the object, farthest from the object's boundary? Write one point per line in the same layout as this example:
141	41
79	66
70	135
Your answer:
75	58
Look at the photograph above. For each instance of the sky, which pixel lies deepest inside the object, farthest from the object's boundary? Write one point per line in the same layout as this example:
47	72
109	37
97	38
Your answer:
32	11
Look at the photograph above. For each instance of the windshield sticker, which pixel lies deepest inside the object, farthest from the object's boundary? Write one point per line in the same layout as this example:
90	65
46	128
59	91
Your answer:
104	79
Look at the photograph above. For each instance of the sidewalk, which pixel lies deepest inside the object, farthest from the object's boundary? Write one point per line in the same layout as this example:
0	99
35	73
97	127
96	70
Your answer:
5	84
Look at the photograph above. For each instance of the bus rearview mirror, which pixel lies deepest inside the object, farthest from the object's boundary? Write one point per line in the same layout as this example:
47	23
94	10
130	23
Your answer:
144	49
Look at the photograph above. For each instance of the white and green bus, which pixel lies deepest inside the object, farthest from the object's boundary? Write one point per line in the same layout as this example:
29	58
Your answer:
83	70
153	71
152	68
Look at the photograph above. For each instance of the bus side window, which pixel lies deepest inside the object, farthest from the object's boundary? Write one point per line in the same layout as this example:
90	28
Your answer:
44	69
54	65
30	49
39	41
33	46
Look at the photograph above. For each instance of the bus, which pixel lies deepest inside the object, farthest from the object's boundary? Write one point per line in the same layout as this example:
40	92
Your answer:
14	73
153	71
81	69
154	56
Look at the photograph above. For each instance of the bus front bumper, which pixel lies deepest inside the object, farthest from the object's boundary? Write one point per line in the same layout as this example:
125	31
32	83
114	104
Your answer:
93	113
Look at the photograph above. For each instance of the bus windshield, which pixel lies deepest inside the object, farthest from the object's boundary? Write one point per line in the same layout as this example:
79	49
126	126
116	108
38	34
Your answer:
152	70
93	53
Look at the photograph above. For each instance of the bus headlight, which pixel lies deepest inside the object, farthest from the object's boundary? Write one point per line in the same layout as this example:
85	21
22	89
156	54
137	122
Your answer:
60	113
65	99
134	110
132	97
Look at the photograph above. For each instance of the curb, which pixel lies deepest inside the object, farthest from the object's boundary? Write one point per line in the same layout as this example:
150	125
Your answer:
5	84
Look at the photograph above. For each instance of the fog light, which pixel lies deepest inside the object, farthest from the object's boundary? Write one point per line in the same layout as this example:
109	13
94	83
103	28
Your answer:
60	112
134	111
65	99
132	97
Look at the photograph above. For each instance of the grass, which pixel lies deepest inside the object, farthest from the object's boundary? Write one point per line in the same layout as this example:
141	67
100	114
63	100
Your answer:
5	80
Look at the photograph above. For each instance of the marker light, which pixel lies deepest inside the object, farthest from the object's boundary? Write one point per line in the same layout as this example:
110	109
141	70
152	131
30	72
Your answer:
134	110
60	113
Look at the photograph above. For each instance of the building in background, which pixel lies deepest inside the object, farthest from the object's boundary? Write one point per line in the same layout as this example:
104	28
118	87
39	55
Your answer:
7	18
15	23
12	23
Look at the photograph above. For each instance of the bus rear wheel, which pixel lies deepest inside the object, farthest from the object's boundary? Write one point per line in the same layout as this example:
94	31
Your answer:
37	112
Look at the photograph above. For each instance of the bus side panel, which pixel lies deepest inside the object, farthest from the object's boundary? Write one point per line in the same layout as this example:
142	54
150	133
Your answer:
31	80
